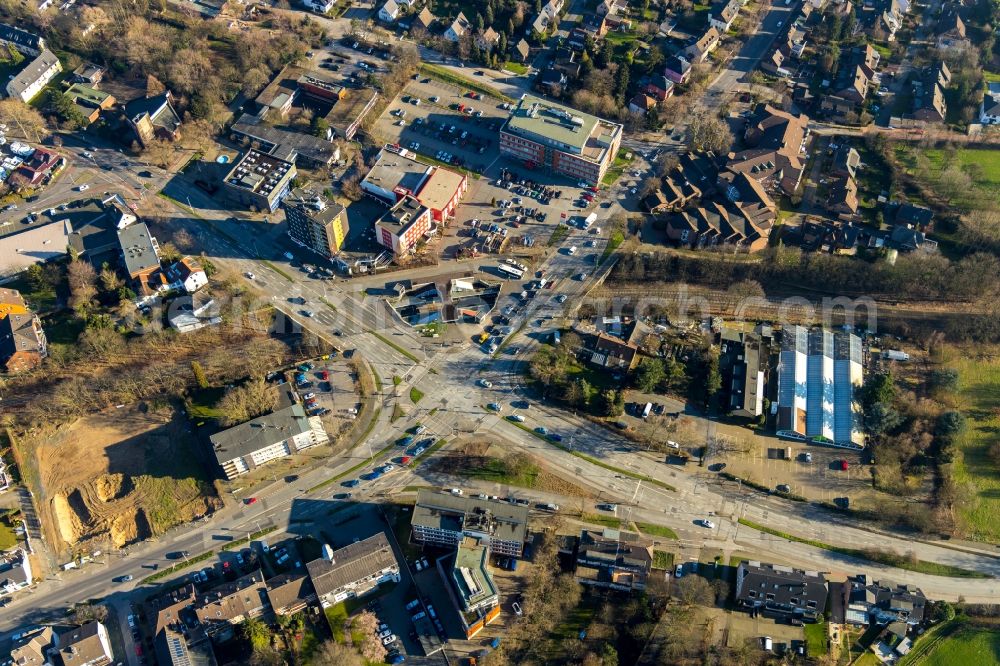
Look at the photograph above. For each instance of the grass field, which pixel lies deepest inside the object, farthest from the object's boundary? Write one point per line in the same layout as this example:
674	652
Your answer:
523	475
515	67
663	560
816	635
979	400
966	645
656	530
448	76
617	168
936	167
598	519
416	395
985	160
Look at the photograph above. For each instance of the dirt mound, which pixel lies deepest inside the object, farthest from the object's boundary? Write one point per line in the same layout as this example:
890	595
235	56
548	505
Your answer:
128	528
111	487
67	522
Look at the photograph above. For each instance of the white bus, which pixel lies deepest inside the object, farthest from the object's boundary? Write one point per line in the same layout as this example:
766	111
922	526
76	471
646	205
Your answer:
510	271
647	410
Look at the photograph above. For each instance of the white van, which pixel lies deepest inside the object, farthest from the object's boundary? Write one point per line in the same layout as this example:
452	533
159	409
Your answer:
571	250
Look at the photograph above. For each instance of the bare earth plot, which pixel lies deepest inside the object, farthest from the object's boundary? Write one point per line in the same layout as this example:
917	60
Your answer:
117	477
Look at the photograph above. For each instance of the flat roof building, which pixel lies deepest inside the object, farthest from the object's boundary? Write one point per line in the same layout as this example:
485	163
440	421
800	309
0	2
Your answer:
316	223
570	142
442	192
347	114
470	585
401	227
276	435
397	174
445	519
301	149
259	180
818	373
353	570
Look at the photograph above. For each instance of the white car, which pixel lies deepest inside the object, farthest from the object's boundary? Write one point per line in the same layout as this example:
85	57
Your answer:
309	396
385	634
88	154
704	522
250	276
389	640
517	418
517	609
83	188
485	383
561	298
456	491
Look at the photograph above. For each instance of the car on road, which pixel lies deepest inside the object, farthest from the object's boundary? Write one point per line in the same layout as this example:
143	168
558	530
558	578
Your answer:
607	507
705	522
250	275
542	430
517	418
679	571
555	438
494	407
485	383
83	188
456	491
844	465
351	483
87	154
783	488
250	500
124	579
308	313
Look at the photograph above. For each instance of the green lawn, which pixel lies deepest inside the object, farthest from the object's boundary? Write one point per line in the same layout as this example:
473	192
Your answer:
524	474
991	77
599	519
968	645
979	396
202	404
416	395
396	380
7	537
617	168
448	76
816	634
656	530
987	161
663	560
515	67
616	239
337	616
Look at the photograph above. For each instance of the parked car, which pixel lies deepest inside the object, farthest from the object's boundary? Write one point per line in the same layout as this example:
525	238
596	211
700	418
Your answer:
517	609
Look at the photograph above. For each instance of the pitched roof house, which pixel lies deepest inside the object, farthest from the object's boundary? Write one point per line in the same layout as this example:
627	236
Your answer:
34	76
153	117
780	589
929	103
389	12
641	103
488	39
776	151
22	341
989	108
845	161
458	28
425	19
187	274
704	45
26	42
230	603
523	50
722	16
843	198
610	352
87	645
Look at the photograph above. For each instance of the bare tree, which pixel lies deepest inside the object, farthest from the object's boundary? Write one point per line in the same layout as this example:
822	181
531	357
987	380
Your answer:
82	284
246	402
29	121
332	653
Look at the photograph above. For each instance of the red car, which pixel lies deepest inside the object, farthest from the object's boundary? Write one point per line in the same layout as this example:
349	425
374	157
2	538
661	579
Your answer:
250	500
405	460
138	650
844	465
324	374
592	188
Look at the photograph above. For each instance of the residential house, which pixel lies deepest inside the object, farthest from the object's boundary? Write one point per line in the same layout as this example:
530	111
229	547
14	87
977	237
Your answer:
641	103
192	312
715	223
15	572
22	341
32	649
34	76
950	31
424	19
279	434
187	275
566	62
458	28
140	254
319	6
614	559
612	353
86	645
224	606
354	570
774	63
290	593
657	86
548	17
882	602
152	118
843	197
913	215
488	39
389	12
908	238
989	108
24	41
775	153
832	236
845	161
89	101
612	7
704	45
522	50
929	104
445	520
677	69
780	590
36	170
593	25
88	74
721	16
675	192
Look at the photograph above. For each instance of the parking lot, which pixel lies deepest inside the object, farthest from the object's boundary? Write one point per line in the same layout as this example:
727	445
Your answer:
442	118
327	389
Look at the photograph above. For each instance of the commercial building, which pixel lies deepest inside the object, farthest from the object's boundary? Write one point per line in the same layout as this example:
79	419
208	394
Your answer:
301	149
397	174
744	363
22	341
818	374
260	181
401	227
614	559
470	585
34	76
35	245
780	590
347	114
569	142
316	223
276	435
444	519
353	570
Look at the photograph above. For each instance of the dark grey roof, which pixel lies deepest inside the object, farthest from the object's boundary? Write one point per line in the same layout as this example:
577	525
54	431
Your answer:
22	38
503	521
780	589
32	72
138	248
912	214
284	144
157	107
259	433
351	563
